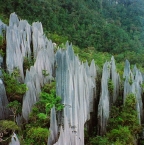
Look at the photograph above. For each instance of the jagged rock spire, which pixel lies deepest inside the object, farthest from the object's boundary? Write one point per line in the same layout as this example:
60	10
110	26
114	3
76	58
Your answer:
14	140
19	36
4	111
132	84
107	98
75	84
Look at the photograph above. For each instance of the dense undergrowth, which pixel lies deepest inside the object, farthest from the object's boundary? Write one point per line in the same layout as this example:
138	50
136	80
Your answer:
123	127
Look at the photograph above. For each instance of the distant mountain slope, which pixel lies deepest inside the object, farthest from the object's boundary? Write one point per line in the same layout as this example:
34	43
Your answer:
113	26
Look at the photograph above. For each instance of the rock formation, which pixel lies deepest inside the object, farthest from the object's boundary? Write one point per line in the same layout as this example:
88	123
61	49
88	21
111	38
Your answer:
75	83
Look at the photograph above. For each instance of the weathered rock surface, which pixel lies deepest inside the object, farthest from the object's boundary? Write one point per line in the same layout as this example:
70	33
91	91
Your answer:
75	83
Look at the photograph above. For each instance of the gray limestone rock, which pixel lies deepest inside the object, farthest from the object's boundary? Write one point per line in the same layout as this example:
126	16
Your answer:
19	37
132	84
75	84
4	111
53	128
14	140
13	21
2	27
115	79
104	103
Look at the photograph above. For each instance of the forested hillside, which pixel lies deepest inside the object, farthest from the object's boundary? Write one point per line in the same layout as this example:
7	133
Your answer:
98	29
114	26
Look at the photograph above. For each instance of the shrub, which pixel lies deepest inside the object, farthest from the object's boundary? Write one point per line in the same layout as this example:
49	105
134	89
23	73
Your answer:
1	40
110	86
14	89
8	125
37	136
48	87
99	140
122	134
123	127
57	38
15	107
6	130
2	46
28	62
39	118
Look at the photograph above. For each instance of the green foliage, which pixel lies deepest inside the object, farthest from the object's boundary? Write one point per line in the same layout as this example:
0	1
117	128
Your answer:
121	133
40	115
37	136
15	73
109	27
15	107
120	68
98	140
141	142
142	86
39	119
14	89
123	127
6	130
130	80
57	38
48	87
50	100
6	125
2	53
1	40
90	53
4	18
2	46
45	73
86	135
28	62
110	86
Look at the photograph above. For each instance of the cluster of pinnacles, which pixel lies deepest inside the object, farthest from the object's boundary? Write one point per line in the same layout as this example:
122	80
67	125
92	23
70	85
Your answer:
75	82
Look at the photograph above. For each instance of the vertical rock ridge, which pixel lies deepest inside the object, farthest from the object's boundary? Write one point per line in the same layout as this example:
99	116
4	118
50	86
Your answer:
75	84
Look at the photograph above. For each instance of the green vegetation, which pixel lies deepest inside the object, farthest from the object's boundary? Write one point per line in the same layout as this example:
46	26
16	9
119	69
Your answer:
104	25
8	125
37	136
1	40
40	114
90	53
123	127
39	120
28	62
57	38
44	72
110	86
2	45
94	26
6	129
15	107
14	89
4	18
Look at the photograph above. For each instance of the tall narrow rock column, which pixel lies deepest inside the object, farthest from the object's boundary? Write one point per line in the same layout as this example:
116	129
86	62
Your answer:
75	84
